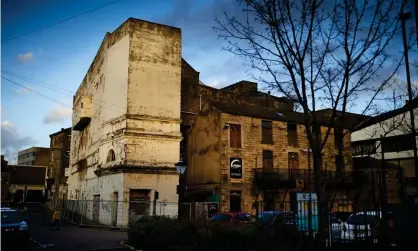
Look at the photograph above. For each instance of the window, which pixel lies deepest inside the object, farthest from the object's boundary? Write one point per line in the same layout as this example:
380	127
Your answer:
53	141
338	138
267	159
82	105
292	135
339	162
235	201
110	156
364	147
235	135
266	132
398	143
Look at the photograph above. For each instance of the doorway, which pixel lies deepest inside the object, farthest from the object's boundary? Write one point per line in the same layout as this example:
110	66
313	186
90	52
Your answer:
235	201
96	208
115	208
269	201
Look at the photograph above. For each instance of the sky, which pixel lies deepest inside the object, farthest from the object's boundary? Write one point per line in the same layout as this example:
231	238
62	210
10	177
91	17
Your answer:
61	55
53	61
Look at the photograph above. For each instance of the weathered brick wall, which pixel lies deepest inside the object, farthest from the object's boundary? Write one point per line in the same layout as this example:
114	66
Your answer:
251	153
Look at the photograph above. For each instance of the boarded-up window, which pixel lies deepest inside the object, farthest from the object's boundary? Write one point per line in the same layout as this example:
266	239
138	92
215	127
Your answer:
267	159
235	135
267	132
292	135
338	138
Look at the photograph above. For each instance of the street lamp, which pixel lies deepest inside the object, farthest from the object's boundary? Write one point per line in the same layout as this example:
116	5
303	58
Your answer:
181	166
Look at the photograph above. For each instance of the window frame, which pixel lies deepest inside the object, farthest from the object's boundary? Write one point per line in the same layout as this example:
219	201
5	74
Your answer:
266	132
294	132
232	134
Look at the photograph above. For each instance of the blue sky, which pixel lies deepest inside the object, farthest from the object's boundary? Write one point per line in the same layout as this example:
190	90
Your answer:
61	55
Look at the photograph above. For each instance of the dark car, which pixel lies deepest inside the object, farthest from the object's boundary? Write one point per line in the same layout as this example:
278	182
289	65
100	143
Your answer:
14	228
232	217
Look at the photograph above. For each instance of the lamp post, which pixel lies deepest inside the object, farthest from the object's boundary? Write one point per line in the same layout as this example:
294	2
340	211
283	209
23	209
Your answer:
181	168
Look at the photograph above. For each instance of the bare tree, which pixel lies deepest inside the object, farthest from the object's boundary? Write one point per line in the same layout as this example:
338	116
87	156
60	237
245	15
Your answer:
321	54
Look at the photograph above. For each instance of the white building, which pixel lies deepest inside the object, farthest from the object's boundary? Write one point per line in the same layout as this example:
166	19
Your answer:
126	126
390	132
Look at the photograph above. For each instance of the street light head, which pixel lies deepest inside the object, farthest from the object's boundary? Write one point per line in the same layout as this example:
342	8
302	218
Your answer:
181	166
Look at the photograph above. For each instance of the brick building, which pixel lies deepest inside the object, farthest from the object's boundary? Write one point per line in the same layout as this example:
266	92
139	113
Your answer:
35	156
5	179
240	154
57	173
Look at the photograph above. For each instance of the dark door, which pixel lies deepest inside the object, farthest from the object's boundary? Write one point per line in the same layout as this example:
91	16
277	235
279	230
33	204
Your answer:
115	208
139	203
235	201
96	208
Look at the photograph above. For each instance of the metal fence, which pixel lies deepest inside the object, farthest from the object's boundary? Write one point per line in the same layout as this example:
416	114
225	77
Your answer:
112	213
122	213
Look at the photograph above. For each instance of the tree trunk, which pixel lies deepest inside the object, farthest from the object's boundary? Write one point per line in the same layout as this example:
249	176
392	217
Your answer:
323	211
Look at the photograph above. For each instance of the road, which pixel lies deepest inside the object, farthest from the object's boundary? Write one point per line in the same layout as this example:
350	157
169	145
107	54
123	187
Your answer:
69	237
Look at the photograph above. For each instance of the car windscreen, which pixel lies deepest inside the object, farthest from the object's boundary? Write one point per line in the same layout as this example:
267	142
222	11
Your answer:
361	219
8	217
342	216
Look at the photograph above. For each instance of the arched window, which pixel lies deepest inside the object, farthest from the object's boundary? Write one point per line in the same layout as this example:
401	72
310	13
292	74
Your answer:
110	156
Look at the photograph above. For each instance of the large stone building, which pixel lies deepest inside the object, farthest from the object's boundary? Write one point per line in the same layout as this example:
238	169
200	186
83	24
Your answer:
58	168
35	156
126	123
249	158
131	117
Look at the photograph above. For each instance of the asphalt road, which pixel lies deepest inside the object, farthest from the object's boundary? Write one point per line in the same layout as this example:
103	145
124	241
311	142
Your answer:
69	237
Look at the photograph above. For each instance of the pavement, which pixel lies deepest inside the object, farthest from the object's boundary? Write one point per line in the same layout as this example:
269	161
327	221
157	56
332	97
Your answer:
69	237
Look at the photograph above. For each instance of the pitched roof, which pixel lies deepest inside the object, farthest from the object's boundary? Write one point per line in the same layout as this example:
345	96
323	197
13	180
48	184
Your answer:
350	119
66	130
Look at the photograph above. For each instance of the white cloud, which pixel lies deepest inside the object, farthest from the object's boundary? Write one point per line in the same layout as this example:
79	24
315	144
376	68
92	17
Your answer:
58	115
11	140
26	57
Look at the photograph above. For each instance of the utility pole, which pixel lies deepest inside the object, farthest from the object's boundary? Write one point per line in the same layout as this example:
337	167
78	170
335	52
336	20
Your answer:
403	17
416	18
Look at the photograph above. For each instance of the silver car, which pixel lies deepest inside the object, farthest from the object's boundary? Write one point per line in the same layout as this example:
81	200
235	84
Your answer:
359	225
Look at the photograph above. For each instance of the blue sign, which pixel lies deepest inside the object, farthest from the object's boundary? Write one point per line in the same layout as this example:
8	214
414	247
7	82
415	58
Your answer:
302	211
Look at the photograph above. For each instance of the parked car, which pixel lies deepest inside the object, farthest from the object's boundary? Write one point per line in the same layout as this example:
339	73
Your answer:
360	225
267	217
337	220
229	217
14	228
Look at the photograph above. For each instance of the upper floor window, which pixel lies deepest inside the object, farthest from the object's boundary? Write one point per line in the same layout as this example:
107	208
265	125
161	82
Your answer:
110	156
364	147
292	135
398	143
266	132
235	135
268	159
